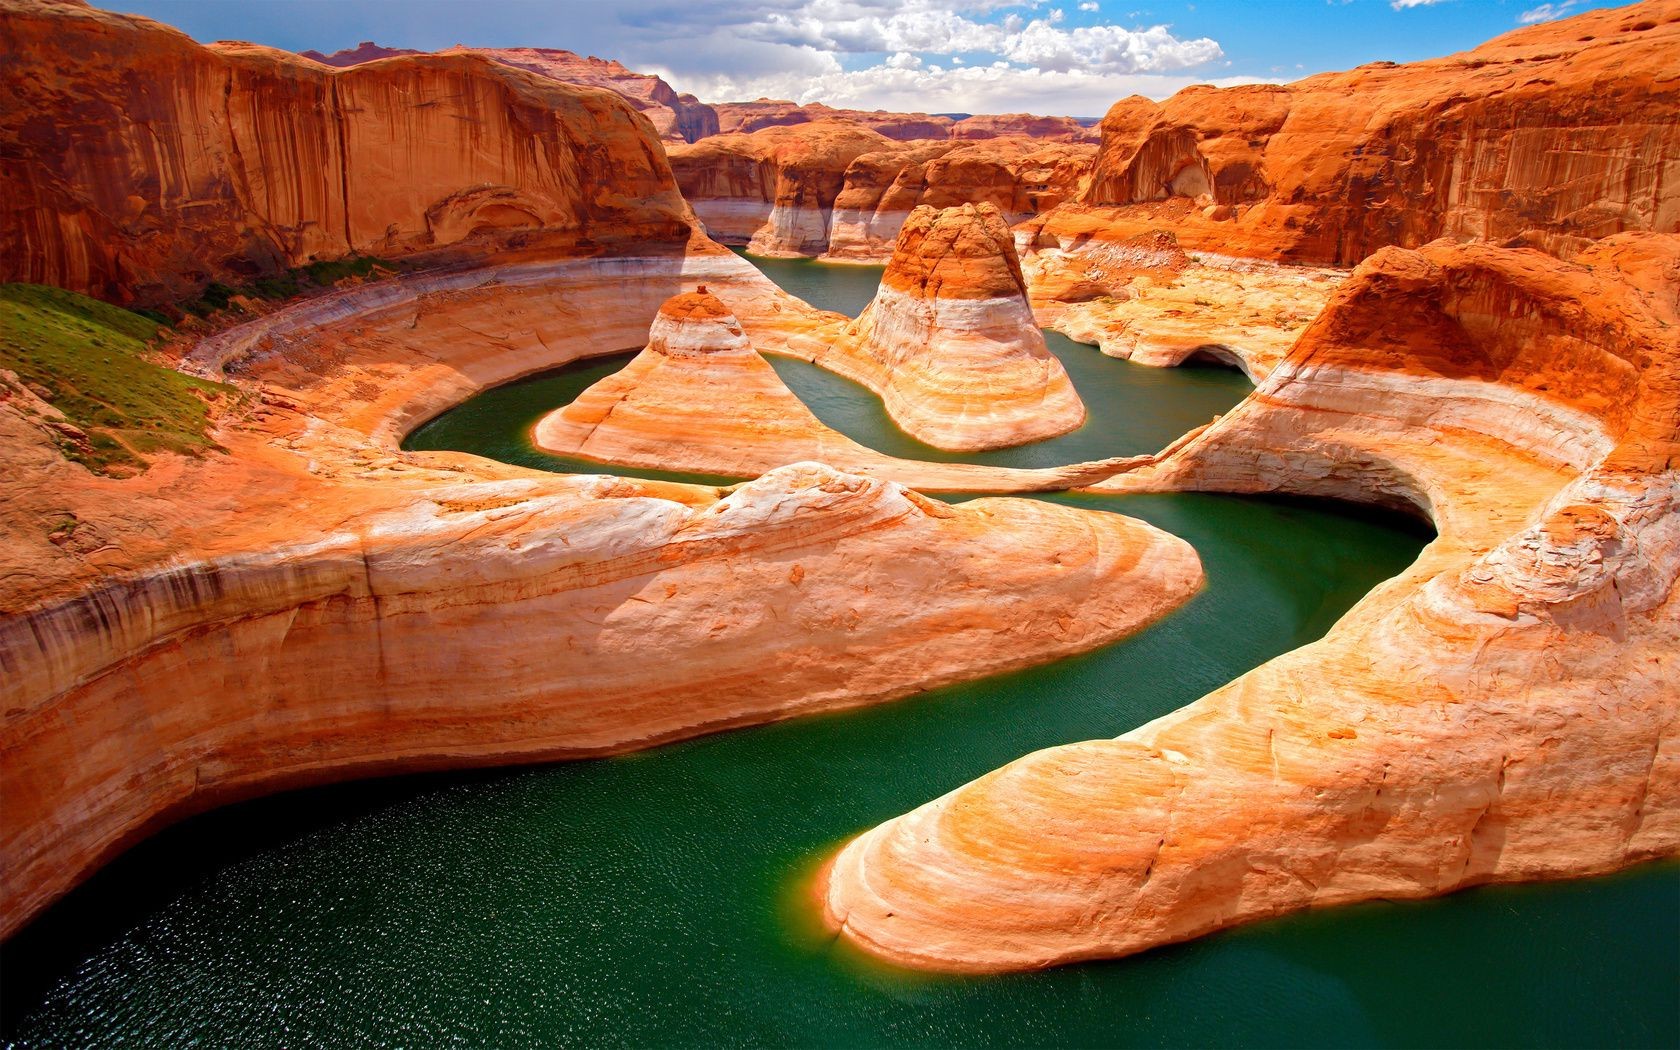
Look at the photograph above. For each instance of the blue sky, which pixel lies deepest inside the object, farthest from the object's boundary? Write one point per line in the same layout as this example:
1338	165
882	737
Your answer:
989	56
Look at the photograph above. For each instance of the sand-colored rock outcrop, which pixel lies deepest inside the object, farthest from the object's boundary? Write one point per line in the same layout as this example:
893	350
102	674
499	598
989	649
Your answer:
1504	710
949	341
1015	125
1553	135
142	164
1147	300
747	117
773	190
840	191
676	118
1020	177
701	398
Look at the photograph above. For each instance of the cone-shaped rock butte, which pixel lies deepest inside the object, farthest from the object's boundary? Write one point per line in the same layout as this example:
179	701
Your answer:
662	897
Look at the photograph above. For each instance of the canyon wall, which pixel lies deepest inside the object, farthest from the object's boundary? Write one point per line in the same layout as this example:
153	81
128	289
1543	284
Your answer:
839	191
747	117
773	190
1504	710
677	118
1554	136
141	165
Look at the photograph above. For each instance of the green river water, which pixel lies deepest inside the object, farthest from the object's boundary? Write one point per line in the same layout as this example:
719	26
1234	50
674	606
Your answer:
655	899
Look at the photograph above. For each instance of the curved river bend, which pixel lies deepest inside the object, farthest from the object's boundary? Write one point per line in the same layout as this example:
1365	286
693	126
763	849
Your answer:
655	898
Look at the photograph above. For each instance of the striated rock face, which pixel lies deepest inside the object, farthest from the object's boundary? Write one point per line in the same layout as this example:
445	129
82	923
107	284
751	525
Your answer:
1012	125
748	117
1553	135
1020	177
700	398
677	118
1146	300
773	190
836	190
949	342
144	164
1505	710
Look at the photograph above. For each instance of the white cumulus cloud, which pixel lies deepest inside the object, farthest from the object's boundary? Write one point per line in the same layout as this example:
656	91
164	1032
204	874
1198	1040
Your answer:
1546	12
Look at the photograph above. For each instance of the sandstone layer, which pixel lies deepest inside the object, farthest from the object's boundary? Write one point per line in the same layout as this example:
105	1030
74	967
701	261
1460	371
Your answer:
1147	300
1552	136
949	341
1011	125
312	603
701	398
142	165
840	191
1020	177
748	117
677	118
1504	710
773	190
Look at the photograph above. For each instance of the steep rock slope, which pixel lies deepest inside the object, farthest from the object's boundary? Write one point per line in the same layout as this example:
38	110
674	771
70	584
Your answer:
949	341
1020	177
1556	134
141	165
841	191
701	398
677	118
773	190
1504	710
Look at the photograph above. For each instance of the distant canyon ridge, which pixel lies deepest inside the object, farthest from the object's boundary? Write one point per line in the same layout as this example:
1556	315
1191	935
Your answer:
684	118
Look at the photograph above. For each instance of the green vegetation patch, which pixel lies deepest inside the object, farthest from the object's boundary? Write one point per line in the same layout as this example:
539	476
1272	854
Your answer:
286	284
90	360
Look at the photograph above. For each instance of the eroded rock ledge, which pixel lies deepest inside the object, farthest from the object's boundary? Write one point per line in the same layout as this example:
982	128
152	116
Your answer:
1504	710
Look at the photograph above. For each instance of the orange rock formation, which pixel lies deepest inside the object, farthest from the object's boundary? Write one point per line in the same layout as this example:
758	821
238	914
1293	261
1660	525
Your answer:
1012	125
949	341
748	117
837	190
144	164
677	118
1020	177
1504	710
1555	134
773	190
700	398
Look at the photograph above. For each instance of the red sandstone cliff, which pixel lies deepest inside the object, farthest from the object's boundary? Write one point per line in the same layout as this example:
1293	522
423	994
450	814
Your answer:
141	164
840	190
677	118
1556	135
747	117
773	190
1012	125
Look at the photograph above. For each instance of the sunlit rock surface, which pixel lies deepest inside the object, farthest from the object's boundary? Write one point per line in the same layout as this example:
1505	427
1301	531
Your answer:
949	342
677	118
141	164
701	398
1554	134
1504	710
